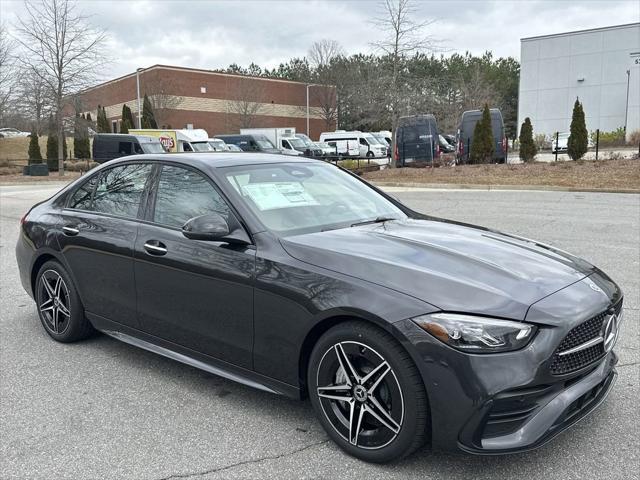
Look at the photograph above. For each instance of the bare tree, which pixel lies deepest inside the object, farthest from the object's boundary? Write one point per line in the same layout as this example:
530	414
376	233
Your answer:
161	92
248	101
323	52
33	97
403	36
64	49
7	72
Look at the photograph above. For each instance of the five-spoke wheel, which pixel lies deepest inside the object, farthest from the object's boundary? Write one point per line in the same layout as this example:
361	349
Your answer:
367	392
59	305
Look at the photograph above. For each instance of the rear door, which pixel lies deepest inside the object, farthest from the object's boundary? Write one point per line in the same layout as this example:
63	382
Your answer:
197	294
99	228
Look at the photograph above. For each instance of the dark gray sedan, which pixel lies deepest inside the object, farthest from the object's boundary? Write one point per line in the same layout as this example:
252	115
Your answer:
298	278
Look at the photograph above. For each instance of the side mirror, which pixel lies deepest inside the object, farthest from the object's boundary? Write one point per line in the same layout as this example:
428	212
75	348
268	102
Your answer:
213	227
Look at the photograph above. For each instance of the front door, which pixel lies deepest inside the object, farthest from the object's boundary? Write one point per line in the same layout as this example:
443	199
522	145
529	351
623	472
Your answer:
198	294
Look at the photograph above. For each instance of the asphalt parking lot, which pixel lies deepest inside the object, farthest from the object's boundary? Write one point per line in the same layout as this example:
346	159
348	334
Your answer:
105	410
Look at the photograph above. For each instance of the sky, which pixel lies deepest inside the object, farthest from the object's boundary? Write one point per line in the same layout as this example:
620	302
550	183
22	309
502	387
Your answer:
212	34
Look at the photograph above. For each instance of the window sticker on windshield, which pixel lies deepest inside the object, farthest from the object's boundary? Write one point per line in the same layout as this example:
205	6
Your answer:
269	196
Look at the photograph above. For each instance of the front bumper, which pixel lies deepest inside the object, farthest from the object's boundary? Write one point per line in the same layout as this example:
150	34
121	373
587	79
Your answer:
503	403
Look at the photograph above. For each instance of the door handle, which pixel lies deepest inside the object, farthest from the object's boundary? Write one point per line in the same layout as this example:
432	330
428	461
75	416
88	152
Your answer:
153	247
70	230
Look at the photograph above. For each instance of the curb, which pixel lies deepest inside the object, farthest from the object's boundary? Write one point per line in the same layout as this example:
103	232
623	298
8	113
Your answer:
543	188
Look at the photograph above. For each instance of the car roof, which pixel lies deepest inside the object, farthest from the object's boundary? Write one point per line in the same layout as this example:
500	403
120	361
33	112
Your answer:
218	159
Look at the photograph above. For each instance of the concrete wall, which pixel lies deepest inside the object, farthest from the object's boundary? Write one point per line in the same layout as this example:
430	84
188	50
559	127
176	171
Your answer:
591	65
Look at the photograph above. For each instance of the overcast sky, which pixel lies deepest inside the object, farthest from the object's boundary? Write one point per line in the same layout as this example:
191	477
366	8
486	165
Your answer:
212	34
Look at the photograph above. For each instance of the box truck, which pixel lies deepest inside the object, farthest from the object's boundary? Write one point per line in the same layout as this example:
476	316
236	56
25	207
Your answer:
182	140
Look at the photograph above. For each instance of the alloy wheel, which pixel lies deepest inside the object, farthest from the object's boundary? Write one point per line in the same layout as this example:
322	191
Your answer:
54	302
360	395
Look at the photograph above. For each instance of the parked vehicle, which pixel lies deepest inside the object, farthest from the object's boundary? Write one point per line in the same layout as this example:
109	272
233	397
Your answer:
368	146
250	143
417	140
183	140
451	139
465	135
383	140
284	139
233	148
297	278
445	147
314	149
563	142
107	146
218	145
9	132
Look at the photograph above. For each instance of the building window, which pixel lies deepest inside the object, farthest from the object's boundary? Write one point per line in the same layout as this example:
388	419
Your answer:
114	126
203	89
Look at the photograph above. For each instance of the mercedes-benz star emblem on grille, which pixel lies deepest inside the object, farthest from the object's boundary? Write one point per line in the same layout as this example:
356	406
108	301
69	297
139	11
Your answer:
610	332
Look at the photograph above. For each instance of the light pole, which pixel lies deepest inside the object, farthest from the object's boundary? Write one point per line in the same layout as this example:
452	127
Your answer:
308	85
138	89
626	107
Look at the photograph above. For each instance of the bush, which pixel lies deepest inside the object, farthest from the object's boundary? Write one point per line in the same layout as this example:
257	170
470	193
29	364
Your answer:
634	138
615	138
578	138
80	165
35	156
528	148
542	141
482	146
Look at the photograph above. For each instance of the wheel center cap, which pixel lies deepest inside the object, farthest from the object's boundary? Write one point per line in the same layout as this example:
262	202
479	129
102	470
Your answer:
55	302
360	393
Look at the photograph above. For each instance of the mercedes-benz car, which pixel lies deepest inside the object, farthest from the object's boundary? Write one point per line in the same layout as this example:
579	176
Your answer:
298	278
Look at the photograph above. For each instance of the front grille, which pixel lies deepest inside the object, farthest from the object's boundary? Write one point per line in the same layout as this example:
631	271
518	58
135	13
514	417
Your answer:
589	330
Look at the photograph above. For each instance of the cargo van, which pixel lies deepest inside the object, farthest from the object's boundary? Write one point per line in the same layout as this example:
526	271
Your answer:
107	146
465	135
250	143
182	140
368	145
417	140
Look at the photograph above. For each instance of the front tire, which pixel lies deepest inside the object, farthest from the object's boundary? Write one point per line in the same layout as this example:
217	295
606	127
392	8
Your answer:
367	393
59	306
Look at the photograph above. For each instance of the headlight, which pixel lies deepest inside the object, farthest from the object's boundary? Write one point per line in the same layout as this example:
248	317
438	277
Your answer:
476	334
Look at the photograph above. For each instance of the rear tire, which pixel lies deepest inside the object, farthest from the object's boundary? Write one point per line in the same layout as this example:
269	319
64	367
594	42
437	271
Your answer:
367	393
59	306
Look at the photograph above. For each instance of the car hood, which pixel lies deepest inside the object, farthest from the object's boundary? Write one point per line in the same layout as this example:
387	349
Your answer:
452	266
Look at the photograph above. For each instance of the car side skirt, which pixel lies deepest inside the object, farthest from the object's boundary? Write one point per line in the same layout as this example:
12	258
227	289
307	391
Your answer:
192	358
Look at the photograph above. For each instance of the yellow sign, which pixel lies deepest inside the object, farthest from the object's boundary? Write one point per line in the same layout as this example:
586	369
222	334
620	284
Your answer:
167	138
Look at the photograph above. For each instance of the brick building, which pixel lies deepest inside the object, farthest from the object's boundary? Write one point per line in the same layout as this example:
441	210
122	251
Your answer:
218	102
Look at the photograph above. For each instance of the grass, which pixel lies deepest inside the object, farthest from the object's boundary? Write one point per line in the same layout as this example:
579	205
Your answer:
605	174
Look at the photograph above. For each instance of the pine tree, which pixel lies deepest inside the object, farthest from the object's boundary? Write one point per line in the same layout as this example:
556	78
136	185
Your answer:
34	148
127	119
578	137
102	124
482	146
528	149
52	146
148	117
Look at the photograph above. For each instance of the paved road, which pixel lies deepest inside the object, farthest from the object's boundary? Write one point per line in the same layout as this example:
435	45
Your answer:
103	409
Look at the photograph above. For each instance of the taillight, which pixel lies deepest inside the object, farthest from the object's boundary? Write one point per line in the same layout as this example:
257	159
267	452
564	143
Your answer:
460	147
437	151
504	144
397	155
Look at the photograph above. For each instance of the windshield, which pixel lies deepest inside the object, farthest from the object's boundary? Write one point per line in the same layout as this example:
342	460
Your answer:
217	145
296	143
292	199
155	147
265	144
201	147
324	145
372	140
306	140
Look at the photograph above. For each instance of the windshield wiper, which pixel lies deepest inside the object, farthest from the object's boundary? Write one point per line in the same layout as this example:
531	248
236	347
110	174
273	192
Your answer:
380	219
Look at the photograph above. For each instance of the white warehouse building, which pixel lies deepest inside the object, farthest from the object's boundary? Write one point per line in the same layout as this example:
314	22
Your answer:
600	66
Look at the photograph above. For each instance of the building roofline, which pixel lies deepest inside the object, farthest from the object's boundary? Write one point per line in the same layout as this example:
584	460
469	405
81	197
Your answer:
189	69
597	29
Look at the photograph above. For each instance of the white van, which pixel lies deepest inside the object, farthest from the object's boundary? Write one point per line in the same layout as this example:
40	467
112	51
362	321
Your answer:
369	146
284	139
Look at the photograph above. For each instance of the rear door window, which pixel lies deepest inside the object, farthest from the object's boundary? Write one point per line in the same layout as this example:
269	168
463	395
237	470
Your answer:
119	190
124	148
